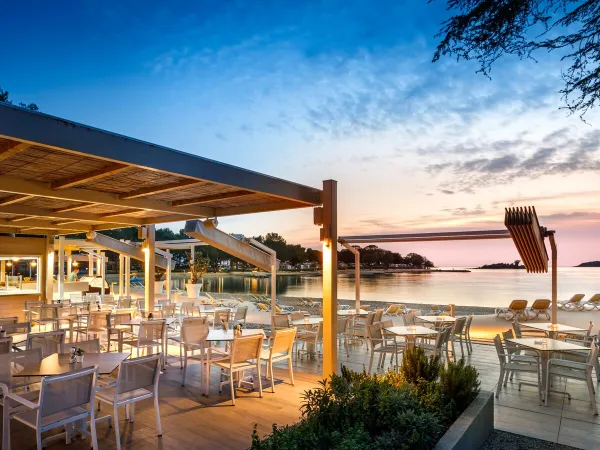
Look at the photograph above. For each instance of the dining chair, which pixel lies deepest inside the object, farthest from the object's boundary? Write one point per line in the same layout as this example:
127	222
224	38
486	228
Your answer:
239	317
281	349
115	330
151	333
457	335
221	317
245	355
90	346
381	345
63	400
194	331
342	333
48	341
312	337
8	320
137	381
6	345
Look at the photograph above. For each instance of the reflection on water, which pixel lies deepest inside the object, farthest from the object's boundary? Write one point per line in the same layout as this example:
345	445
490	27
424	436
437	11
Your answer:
479	287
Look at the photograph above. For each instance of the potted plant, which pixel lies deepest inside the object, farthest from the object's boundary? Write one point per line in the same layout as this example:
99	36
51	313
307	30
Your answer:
79	355
158	283
198	267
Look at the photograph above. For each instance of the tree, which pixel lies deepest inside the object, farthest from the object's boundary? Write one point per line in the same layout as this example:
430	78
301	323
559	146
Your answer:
485	30
5	99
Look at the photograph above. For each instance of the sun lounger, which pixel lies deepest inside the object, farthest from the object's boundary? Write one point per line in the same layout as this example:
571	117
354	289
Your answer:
592	303
573	303
539	306
515	309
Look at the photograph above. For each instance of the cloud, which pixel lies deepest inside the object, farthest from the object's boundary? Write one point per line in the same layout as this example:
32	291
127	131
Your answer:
464	212
447	191
563	155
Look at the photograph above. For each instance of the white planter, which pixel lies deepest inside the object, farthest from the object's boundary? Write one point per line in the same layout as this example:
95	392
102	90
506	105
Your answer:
193	290
158	286
79	358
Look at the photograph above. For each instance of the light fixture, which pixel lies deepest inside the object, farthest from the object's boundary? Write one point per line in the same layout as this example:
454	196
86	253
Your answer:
8	263
33	263
15	259
75	264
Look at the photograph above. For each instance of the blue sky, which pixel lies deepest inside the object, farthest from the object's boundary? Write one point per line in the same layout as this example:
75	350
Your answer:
315	90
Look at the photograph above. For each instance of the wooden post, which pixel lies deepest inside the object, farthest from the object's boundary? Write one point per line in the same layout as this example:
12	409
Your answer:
49	268
149	267
329	278
2	271
127	276
554	279
69	264
60	277
169	282
121	275
91	263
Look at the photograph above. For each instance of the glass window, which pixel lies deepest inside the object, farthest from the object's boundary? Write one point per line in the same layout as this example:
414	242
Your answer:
19	275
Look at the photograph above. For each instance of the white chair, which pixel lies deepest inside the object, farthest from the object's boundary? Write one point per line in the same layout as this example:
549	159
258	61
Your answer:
342	333
63	400
150	334
311	338
509	364
575	371
137	381
380	345
280	350
194	331
245	355
457	335
239	317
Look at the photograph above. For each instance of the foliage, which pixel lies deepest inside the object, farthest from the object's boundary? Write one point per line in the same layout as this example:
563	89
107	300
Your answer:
371	255
417	367
4	98
485	30
198	267
356	410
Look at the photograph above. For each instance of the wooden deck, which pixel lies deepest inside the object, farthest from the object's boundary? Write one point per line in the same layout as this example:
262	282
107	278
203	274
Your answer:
192	420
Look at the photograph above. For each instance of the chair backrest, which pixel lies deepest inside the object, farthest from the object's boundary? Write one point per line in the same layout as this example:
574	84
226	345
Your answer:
125	302
409	319
168	309
518	305
8	320
593	355
468	322
342	324
594	298
588	332
48	312
48	341
280	321
283	342
297	315
510	347
67	393
118	319
240	313
107	299
221	315
374	332
541	304
76	297
138	373
370	318
378	315
151	331
245	348
459	325
194	330
140	304
97	321
5	345
187	308
15	328
517	328
93	297
386	323
89	346
499	348
14	362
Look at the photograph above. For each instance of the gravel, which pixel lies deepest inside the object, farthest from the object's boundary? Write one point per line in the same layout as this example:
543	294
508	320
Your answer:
502	440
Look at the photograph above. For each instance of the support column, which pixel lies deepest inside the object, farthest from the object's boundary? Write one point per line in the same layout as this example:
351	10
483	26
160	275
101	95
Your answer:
99	264
69	264
169	259
60	277
554	279
149	267
49	269
127	276
330	269
2	271
91	263
102	271
121	264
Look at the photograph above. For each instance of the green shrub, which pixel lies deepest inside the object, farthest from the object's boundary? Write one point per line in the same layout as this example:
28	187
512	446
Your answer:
417	367
355	410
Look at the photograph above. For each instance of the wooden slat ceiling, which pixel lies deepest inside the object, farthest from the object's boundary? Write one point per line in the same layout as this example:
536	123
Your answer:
59	181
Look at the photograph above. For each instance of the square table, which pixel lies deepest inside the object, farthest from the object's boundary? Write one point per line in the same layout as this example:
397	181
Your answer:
544	349
437	319
352	312
411	332
227	336
307	321
553	330
57	364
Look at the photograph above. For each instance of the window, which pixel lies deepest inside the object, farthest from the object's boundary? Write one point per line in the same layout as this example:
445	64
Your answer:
19	275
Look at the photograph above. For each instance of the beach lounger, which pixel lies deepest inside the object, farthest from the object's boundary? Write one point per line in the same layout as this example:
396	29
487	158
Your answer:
262	307
539	306
573	303
392	310
592	303
515	309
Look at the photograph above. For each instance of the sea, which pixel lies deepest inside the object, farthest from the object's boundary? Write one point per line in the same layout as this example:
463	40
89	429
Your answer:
479	287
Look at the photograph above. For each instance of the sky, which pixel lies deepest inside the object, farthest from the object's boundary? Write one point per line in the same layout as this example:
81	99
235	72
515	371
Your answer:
309	91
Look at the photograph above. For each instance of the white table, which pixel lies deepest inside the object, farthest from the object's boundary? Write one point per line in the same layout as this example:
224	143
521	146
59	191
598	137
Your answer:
544	347
352	312
553	330
437	319
307	321
222	335
411	333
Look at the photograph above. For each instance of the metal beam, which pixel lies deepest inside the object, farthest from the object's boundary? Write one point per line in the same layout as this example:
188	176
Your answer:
160	189
483	234
123	248
256	208
211	198
48	213
60	134
20	186
15	199
89	176
13	149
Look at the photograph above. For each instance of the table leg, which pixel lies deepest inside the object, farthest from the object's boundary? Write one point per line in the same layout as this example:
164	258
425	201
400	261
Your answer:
544	362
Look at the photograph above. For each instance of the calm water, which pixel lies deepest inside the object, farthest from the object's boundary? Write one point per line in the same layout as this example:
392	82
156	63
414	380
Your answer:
479	287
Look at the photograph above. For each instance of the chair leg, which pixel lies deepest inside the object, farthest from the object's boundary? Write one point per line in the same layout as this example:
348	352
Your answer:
232	385
591	392
157	412
93	430
5	427
38	436
547	385
260	392
180	357
184	367
500	379
116	423
132	415
290	368
371	361
272	378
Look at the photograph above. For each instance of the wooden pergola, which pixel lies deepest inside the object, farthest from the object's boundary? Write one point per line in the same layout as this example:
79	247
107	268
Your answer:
59	177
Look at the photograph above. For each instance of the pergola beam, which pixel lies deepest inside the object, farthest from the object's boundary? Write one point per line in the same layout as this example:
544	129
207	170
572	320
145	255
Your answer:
111	169
13	149
211	198
159	189
20	186
15	199
256	208
48	213
43	224
120	213
74	207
